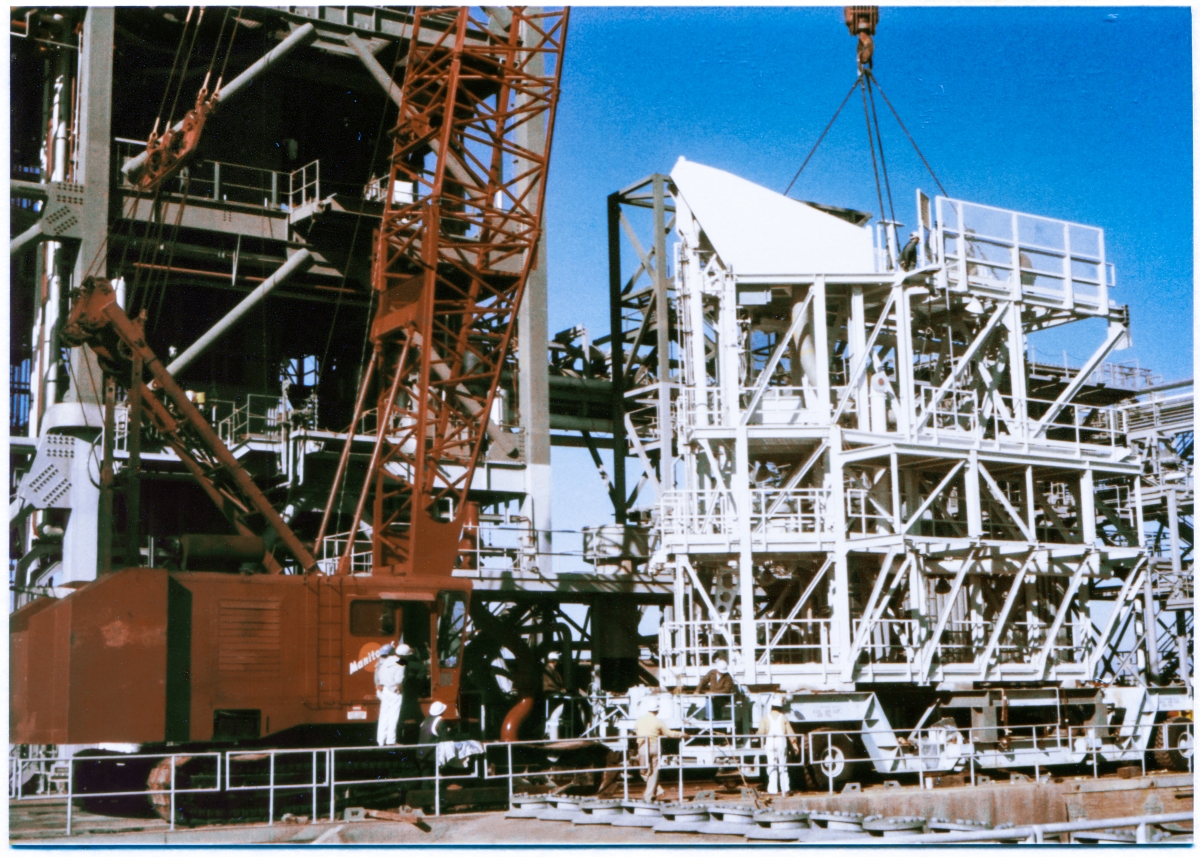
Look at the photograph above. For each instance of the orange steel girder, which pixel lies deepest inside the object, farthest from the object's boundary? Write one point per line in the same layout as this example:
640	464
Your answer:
452	256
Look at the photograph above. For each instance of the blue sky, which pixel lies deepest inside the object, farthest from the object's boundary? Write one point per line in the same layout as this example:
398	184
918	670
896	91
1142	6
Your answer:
1076	113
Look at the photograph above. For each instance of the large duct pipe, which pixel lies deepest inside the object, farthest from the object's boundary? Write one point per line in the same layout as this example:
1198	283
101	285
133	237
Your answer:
293	264
300	36
515	717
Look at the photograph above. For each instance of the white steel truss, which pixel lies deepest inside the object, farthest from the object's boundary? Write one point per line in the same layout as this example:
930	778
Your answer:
872	486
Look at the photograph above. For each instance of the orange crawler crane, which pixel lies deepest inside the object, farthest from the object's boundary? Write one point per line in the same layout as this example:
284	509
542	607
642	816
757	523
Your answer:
148	656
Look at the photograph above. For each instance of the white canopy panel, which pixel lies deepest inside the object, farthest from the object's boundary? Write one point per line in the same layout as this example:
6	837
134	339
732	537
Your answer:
758	232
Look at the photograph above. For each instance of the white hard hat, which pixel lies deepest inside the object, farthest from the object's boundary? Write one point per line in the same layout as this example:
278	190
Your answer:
437	708
653	703
914	234
403	650
776	700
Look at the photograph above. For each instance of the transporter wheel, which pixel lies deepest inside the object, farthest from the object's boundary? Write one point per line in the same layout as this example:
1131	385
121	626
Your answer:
835	759
1173	744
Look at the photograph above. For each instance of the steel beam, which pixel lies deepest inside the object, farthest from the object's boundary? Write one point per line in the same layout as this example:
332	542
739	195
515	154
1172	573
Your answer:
302	35
1116	333
295	263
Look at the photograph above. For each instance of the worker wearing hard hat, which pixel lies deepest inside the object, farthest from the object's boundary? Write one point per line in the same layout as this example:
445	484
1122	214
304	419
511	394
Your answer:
649	729
389	681
717	681
779	734
433	731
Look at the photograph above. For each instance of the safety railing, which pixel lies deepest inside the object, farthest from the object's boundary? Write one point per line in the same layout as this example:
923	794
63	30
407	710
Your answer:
1171	412
325	773
956	412
794	643
945	747
334	547
258	418
784	406
747	754
304	185
1036	258
779	512
689	648
213	410
168	792
702	408
890	641
962	642
1000	417
864	517
697	512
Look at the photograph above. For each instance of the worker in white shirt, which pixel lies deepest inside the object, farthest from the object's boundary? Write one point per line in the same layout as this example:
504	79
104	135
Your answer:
389	681
779	734
649	728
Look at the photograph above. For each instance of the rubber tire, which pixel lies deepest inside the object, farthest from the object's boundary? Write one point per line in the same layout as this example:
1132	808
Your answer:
842	748
1166	744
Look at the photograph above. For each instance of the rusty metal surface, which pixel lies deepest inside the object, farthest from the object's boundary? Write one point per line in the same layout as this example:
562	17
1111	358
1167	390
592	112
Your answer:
93	667
94	664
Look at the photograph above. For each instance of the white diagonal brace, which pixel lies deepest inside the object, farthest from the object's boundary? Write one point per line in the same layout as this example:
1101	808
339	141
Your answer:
1064	610
984	660
804	596
797	475
864	625
717	621
764	377
1133	584
963	361
933	495
863	359
968	563
994	487
631	434
1115	333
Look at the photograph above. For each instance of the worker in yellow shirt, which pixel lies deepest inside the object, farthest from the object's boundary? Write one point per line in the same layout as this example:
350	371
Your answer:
649	728
779	734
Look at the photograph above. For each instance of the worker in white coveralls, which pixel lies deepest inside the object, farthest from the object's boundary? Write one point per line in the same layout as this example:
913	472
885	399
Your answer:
779	734
649	728
389	687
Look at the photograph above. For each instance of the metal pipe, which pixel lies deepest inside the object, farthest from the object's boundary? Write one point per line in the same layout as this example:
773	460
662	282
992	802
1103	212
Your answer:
300	36
1161	388
33	233
1025	831
295	263
28	190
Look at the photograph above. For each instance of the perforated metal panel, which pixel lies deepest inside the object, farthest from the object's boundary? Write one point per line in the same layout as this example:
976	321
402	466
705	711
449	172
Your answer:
47	485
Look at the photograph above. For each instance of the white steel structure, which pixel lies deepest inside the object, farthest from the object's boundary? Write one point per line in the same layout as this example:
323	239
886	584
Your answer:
871	485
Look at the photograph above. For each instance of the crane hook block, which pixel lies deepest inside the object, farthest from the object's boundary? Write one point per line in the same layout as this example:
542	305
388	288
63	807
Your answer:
861	21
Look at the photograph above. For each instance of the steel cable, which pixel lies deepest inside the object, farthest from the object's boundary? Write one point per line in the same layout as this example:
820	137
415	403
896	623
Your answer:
822	137
871	146
900	122
887	185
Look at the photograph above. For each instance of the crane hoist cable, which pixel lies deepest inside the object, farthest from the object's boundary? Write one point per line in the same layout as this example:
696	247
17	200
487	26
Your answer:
813	150
871	146
861	21
879	138
900	122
